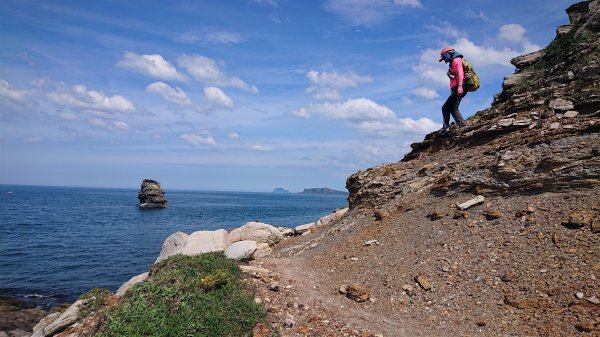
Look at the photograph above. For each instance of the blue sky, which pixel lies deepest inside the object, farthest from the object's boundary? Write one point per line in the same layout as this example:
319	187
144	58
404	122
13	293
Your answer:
242	95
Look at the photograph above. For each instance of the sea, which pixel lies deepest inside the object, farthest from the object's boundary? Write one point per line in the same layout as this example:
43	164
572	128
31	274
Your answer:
59	242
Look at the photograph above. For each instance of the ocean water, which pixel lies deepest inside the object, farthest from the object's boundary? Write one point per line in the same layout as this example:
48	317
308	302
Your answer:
58	242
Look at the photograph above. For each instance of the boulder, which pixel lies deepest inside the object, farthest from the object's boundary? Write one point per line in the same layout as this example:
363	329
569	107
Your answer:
62	322
173	245
526	60
305	228
44	322
512	80
256	231
332	217
241	250
132	281
205	241
151	195
560	104
263	250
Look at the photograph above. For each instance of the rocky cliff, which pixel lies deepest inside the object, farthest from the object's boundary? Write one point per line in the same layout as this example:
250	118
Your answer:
151	195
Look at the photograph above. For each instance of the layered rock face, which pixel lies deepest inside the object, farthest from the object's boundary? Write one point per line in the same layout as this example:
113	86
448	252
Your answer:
540	134
151	195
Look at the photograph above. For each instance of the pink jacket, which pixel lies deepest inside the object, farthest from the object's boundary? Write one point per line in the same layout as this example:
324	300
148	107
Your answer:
457	72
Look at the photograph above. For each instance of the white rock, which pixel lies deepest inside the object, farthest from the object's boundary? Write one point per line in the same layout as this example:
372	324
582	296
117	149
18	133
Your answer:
594	300
206	241
506	122
571	114
257	231
132	281
263	250
477	200
173	245
332	217
241	250
63	321
522	122
253	269
44	322
579	295
305	228
554	126
560	104
371	243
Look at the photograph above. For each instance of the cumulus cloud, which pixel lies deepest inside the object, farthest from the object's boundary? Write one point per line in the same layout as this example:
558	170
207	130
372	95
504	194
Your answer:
11	93
233	135
210	35
398	126
516	33
209	71
368	12
217	97
121	125
326	86
153	65
447	29
175	95
199	139
351	109
425	92
78	96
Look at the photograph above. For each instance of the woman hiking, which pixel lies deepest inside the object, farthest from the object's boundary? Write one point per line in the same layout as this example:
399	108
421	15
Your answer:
456	74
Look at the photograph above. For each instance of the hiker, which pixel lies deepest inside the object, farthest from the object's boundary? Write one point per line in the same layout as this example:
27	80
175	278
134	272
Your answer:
456	74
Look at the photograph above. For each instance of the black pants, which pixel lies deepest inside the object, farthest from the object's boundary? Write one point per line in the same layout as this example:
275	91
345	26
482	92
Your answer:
451	108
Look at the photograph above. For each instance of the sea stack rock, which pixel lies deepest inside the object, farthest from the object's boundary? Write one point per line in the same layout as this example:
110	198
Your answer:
151	195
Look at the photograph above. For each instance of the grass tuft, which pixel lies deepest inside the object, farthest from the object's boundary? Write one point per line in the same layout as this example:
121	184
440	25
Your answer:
187	296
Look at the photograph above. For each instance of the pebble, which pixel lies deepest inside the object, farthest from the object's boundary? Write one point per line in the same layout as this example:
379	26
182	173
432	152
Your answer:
257	300
423	282
481	323
445	269
371	243
594	300
354	259
274	287
579	295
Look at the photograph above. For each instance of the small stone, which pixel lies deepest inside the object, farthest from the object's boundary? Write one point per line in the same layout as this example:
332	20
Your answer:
289	322
481	323
435	215
477	200
371	243
381	214
274	287
571	114
509	277
579	295
358	293
261	330
577	219
596	226
407	287
594	300
354	259
423	282
445	269
584	327
561	104
492	215
343	289
460	214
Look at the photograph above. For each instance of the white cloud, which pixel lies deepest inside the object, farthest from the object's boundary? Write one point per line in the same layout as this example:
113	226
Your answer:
481	16
326	86
30	140
78	96
121	125
352	109
398	126
302	113
11	93
406	100
409	3
516	33
211	35
233	135
97	122
175	95
153	65
369	12
217	97
198	140
447	29
262	148
268	2
425	92
209	71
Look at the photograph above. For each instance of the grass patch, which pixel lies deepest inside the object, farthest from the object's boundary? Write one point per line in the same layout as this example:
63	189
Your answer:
96	297
187	296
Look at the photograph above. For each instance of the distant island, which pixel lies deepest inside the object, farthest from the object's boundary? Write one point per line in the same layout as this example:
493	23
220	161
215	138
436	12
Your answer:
280	190
322	191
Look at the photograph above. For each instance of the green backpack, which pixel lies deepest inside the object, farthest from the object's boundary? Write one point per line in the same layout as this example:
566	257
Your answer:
471	78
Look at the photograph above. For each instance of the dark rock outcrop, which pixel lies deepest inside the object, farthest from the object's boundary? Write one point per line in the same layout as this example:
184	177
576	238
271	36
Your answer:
539	134
151	195
322	191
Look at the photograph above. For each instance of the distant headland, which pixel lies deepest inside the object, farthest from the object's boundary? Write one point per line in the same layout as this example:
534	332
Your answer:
322	191
280	190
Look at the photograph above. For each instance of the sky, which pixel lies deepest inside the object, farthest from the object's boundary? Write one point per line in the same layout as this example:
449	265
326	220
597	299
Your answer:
240	95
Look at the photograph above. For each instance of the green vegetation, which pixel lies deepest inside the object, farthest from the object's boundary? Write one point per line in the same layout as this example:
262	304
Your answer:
97	298
187	296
